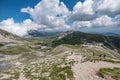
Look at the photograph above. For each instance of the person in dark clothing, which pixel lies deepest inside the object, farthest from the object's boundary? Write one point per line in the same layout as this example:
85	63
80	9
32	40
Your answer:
100	56
93	54
104	56
93	57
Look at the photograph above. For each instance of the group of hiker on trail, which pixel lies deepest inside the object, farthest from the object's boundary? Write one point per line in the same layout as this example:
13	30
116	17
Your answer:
94	58
100	57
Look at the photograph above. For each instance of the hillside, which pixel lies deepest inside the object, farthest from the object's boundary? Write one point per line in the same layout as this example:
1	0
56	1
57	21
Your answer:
8	37
76	37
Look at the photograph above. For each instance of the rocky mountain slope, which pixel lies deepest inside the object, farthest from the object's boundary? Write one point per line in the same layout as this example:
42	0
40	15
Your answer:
8	37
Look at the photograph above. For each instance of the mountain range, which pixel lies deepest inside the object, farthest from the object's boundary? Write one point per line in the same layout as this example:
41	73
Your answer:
68	37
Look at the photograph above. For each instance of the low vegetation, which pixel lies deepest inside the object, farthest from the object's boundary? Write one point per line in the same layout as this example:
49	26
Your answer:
50	67
12	74
1	44
114	73
14	50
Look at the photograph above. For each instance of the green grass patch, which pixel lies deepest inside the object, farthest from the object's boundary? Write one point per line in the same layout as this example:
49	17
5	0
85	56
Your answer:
112	61
1	44
58	73
14	50
114	73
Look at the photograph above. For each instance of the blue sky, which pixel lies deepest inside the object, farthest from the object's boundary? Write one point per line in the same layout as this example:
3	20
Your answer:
11	8
94	16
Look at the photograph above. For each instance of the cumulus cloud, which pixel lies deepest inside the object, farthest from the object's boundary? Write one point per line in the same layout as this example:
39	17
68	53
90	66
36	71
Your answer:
51	13
10	26
95	16
99	25
92	9
19	29
83	11
106	7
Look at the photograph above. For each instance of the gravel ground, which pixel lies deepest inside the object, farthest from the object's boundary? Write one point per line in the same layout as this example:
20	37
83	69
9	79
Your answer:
87	70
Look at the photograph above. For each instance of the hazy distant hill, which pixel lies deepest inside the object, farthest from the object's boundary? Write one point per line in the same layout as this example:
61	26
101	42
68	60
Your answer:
35	33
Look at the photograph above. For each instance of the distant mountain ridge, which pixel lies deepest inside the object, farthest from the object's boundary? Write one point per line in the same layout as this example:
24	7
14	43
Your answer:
112	34
76	37
36	33
108	34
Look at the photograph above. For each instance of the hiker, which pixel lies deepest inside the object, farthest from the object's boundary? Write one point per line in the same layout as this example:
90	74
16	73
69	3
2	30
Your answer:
93	57
94	60
71	53
104	56
99	57
93	54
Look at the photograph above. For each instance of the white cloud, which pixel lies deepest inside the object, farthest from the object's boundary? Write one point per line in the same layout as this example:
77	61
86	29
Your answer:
10	26
107	6
19	29
91	9
51	13
99	25
93	16
83	11
103	21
